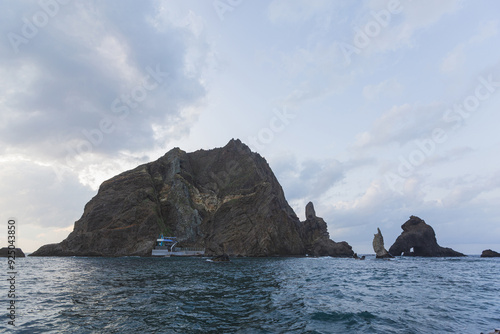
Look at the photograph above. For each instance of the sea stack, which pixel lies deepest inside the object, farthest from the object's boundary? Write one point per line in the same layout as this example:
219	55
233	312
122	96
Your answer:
378	246
317	239
490	253
225	200
422	238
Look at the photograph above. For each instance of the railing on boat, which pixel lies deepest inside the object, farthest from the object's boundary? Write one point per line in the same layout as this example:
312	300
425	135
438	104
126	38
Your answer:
188	249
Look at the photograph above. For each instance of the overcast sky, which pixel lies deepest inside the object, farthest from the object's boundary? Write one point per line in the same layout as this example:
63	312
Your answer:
373	110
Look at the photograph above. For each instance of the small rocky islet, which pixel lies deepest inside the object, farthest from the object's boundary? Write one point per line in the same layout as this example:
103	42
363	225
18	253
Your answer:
226	200
490	253
11	252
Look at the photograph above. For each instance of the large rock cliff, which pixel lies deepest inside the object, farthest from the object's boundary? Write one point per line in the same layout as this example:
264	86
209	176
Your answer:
226	200
422	238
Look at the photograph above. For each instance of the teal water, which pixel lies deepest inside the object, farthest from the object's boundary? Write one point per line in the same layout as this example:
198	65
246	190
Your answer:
255	295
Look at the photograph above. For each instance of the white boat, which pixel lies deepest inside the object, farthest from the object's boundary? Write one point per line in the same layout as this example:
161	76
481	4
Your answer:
165	246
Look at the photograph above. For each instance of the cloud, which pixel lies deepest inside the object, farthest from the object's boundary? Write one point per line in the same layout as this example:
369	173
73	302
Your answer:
420	14
396	23
32	193
378	197
99	77
450	155
389	87
485	31
321	60
308	179
402	124
456	58
296	11
465	190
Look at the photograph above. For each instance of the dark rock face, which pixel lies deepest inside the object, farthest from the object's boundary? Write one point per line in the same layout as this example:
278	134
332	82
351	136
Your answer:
4	252
226	200
490	253
421	237
378	246
317	239
356	257
310	212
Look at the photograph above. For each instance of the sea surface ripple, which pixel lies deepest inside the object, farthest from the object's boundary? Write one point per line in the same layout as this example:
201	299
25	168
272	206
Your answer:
255	295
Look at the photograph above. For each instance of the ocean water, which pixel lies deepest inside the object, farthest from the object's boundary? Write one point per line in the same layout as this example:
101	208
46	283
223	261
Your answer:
255	295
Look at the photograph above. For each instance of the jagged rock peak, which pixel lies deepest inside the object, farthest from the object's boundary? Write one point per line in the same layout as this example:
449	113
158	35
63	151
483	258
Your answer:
378	246
238	145
413	223
310	212
234	145
175	152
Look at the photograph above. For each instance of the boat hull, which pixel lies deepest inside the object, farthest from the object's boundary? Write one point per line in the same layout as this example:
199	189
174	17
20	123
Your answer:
165	252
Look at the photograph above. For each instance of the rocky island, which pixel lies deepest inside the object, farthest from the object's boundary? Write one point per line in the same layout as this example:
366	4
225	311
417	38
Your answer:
420	237
226	200
4	252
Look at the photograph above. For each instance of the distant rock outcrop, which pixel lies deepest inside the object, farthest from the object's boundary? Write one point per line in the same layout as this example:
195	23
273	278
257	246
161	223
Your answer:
226	200
378	246
221	258
4	252
421	237
356	257
490	253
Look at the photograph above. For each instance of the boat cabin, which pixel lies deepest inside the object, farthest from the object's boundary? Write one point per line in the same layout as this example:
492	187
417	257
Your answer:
165	243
